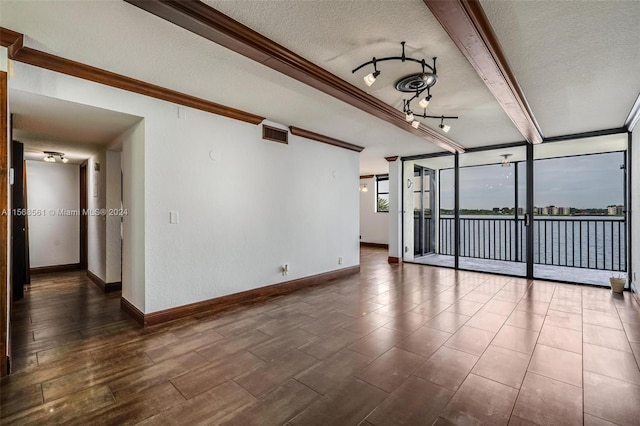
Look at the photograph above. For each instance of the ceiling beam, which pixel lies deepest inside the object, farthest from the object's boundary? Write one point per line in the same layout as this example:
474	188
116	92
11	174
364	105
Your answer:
213	25
634	115
469	28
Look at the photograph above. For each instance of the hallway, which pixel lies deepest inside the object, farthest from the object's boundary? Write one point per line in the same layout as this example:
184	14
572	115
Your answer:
394	344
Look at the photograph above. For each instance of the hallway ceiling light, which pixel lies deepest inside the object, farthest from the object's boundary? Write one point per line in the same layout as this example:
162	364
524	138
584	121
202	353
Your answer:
416	83
50	157
505	161
363	187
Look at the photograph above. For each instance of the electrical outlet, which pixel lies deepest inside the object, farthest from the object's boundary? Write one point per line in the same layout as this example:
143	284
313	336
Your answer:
285	269
340	260
406	249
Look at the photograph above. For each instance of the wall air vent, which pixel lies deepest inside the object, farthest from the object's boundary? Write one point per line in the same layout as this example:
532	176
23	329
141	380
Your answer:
274	134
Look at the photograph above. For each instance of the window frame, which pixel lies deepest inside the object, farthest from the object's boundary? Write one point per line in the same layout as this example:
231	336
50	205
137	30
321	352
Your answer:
381	178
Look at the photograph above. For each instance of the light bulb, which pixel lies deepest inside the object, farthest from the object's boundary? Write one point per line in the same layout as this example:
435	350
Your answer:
364	188
65	160
424	103
369	79
415	124
445	128
409	116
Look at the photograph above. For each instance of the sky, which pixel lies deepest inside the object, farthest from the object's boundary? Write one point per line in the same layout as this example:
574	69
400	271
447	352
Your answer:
587	181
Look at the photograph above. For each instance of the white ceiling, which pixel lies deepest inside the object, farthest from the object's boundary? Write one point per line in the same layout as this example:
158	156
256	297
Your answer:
538	38
578	62
78	131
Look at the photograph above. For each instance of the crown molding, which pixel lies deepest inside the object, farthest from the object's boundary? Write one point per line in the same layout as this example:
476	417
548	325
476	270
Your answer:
17	52
469	28
207	22
324	139
391	159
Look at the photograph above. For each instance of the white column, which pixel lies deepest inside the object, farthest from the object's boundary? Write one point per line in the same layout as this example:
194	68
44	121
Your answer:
395	209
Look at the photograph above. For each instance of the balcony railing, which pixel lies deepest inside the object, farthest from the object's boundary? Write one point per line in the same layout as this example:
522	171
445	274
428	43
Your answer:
580	243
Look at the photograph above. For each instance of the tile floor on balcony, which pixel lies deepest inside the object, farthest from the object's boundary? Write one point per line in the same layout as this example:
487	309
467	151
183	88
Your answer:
544	272
394	344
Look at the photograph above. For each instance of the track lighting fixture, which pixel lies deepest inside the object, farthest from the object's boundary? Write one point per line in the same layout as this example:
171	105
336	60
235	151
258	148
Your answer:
408	116
415	124
50	157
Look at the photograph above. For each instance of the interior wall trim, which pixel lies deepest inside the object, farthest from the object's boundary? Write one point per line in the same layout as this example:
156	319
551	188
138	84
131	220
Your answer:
324	139
17	52
634	115
224	303
394	259
376	245
366	176
102	285
207	22
469	28
130	309
54	268
391	159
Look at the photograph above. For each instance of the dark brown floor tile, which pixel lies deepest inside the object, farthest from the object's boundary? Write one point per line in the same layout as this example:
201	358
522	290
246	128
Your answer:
229	346
142	406
561	338
602	319
205	409
378	342
14	399
272	349
448	321
182	346
391	369
487	321
546	401
407	322
347	405
517	339
607	337
65	409
330	343
149	376
275	407
527	320
215	373
415	402
326	324
612	363
470	340
564	320
424	341
270	375
328	374
611	399
557	364
80	379
481	401
447	367
502	365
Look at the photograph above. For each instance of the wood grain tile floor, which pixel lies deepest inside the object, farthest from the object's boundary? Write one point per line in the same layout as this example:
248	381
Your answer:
393	345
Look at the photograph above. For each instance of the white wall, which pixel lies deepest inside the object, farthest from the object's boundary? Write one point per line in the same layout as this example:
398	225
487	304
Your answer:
54	237
246	206
113	220
96	229
103	231
635	208
374	226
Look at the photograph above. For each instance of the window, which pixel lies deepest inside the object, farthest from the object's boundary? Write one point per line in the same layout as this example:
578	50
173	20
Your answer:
382	193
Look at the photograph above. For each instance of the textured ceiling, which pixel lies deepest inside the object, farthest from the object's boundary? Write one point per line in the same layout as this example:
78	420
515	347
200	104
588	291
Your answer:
48	124
578	62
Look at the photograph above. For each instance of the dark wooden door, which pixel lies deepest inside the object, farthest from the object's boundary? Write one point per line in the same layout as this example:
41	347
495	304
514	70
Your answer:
18	223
